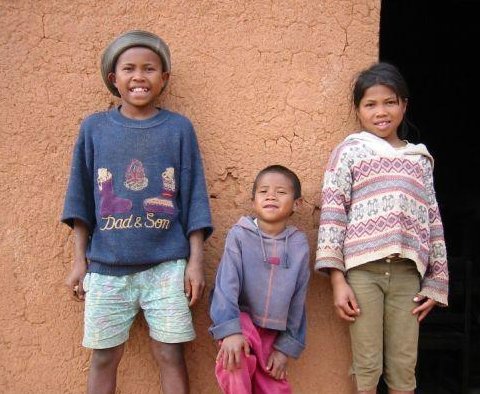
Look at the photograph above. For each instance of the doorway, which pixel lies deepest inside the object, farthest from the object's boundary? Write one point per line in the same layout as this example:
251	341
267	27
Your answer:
433	44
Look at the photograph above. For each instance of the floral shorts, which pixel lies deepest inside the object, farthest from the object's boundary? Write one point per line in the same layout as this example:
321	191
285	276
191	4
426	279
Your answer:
112	302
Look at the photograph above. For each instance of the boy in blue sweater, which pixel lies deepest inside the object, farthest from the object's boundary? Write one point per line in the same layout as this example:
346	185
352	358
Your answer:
138	205
258	303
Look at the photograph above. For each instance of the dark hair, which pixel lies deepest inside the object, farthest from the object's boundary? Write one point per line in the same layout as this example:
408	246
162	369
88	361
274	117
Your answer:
276	168
386	74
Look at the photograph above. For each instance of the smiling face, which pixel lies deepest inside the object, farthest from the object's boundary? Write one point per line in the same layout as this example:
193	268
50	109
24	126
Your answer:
139	78
274	201
380	112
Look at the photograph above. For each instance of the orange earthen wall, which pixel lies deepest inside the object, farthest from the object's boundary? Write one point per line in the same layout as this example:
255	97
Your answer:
263	82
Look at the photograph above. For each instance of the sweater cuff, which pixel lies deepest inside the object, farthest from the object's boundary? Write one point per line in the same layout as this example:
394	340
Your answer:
324	265
225	329
288	345
435	291
69	220
207	230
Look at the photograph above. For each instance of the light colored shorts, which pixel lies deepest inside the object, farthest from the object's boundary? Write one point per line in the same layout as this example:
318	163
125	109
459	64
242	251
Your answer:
385	336
112	302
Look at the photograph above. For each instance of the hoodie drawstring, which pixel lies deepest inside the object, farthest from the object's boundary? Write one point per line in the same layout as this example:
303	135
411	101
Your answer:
262	244
286	251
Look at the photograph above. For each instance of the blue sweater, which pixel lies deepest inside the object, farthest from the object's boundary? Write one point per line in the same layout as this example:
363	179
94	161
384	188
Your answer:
139	186
267	277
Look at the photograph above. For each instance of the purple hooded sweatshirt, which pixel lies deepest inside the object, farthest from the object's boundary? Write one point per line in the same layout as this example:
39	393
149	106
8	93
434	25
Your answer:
266	277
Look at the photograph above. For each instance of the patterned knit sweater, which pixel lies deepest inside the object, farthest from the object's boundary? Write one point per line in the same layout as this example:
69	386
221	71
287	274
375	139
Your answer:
378	201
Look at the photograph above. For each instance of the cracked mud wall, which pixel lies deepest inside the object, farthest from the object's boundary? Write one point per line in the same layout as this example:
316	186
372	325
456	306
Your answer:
263	82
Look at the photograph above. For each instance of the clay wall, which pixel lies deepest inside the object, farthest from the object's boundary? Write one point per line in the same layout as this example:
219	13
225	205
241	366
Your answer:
263	82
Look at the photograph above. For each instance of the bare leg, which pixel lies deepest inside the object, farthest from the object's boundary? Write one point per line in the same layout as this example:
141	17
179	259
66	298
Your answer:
102	376
374	391
173	369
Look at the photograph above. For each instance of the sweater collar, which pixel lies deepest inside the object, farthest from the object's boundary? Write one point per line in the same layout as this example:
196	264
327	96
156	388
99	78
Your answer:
381	146
117	117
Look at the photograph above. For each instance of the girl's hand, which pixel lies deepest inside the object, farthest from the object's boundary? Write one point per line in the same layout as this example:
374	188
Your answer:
230	353
424	307
344	299
277	365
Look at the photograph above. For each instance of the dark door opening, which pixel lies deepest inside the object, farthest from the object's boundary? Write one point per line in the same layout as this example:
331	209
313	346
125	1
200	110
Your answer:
435	46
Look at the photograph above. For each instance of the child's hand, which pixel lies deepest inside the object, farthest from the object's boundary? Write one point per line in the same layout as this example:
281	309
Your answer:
230	353
344	299
194	281
424	307
74	280
277	365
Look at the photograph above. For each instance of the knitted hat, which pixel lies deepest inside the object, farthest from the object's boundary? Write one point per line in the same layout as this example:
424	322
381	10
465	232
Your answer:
130	39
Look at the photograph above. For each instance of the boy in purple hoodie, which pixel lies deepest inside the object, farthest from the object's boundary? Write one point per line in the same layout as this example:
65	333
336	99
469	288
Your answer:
258	303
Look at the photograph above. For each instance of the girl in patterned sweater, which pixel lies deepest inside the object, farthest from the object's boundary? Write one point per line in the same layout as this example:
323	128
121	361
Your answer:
381	235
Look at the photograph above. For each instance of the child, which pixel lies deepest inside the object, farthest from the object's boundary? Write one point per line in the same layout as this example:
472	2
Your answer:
258	303
138	204
381	235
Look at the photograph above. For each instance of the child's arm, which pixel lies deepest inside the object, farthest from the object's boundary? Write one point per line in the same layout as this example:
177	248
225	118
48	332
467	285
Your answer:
224	308
194	276
344	299
79	267
291	342
230	353
335	206
434	285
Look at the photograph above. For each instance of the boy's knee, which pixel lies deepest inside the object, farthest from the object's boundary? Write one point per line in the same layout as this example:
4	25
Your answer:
168	353
102	358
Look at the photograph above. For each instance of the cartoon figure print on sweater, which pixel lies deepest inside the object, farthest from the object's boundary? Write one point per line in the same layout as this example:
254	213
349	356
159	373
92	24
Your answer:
110	204
163	203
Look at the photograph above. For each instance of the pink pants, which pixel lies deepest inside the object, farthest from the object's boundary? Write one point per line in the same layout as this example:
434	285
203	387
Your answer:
252	377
